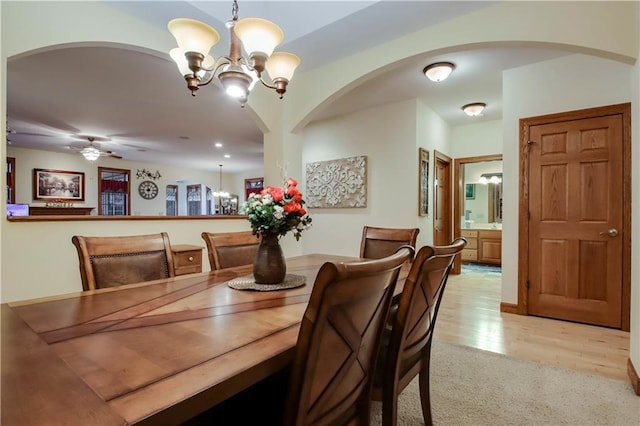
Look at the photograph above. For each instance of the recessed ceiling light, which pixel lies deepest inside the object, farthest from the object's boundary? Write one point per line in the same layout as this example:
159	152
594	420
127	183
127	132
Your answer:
218	144
227	156
439	71
475	109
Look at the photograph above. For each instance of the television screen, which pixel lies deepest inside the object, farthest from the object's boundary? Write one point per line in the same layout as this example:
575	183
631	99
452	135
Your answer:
17	209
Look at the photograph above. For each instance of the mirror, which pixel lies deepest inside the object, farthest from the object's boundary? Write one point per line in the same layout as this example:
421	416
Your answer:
480	193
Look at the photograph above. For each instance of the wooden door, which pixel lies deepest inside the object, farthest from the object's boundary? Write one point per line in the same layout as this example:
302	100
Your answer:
442	230
576	221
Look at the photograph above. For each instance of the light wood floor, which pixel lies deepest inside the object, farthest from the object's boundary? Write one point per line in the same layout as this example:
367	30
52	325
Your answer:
470	315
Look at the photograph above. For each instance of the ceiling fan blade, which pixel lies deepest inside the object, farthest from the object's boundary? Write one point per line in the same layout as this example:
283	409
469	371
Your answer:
111	154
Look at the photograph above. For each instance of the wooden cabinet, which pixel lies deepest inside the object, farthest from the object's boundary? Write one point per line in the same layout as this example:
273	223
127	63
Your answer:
490	247
483	246
470	252
187	259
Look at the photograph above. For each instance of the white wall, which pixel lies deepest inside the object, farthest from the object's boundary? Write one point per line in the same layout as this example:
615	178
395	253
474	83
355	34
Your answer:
433	134
38	258
635	215
389	136
477	138
565	84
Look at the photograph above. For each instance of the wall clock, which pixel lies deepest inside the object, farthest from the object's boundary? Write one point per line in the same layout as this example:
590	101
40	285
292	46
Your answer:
148	190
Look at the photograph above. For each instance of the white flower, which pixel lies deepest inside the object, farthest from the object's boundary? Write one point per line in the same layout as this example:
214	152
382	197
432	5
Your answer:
278	212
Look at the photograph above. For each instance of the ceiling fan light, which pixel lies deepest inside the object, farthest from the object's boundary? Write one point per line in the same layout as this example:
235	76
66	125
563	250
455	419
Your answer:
90	153
475	109
439	71
282	65
193	35
258	36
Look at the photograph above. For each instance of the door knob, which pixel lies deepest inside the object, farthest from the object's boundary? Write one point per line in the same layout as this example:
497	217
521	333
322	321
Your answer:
613	232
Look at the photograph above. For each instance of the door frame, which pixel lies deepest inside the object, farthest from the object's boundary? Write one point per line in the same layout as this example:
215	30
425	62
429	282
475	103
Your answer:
523	213
458	193
439	157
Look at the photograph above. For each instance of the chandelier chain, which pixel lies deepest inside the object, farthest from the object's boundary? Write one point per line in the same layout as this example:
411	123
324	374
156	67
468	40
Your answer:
234	10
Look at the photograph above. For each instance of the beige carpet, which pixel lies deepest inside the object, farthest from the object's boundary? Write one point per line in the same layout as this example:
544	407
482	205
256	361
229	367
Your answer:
474	387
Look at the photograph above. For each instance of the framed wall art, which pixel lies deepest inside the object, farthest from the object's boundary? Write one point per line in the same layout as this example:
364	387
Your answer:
423	182
470	191
58	185
340	183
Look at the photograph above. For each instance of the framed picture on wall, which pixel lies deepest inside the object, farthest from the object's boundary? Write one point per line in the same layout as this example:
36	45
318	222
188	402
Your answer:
423	182
470	191
58	185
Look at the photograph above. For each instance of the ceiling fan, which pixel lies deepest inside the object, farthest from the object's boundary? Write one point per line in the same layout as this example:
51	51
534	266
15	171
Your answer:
92	151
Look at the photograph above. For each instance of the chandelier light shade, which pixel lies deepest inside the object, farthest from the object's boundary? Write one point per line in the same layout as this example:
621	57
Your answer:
193	35
439	71
259	37
281	65
91	153
474	109
236	73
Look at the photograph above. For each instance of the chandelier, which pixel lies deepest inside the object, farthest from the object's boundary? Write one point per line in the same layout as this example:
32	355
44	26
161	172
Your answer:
221	193
237	74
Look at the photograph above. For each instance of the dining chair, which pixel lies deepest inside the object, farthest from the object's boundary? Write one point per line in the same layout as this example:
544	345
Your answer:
331	375
381	242
114	261
405	350
228	249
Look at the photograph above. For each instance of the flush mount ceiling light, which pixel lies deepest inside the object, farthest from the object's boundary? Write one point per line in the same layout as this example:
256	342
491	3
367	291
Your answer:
475	109
237	75
439	71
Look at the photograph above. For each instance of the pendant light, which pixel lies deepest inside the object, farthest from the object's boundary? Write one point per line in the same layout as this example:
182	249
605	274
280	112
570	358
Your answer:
220	193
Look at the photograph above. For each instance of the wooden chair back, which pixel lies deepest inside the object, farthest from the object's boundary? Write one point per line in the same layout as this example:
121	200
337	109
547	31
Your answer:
382	242
114	261
331	375
229	249
406	345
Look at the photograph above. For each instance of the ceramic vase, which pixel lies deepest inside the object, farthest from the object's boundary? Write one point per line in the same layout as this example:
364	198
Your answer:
269	266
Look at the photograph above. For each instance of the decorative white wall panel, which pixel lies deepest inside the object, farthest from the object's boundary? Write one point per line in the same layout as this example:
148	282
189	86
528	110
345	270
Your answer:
338	183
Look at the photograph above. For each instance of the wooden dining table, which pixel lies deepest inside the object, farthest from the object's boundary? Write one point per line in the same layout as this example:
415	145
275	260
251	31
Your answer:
158	352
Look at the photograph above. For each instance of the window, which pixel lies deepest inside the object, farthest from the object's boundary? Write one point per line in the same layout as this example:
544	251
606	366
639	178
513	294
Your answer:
114	192
194	200
172	200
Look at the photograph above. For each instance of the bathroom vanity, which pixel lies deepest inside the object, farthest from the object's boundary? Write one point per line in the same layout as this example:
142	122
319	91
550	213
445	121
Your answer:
483	246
